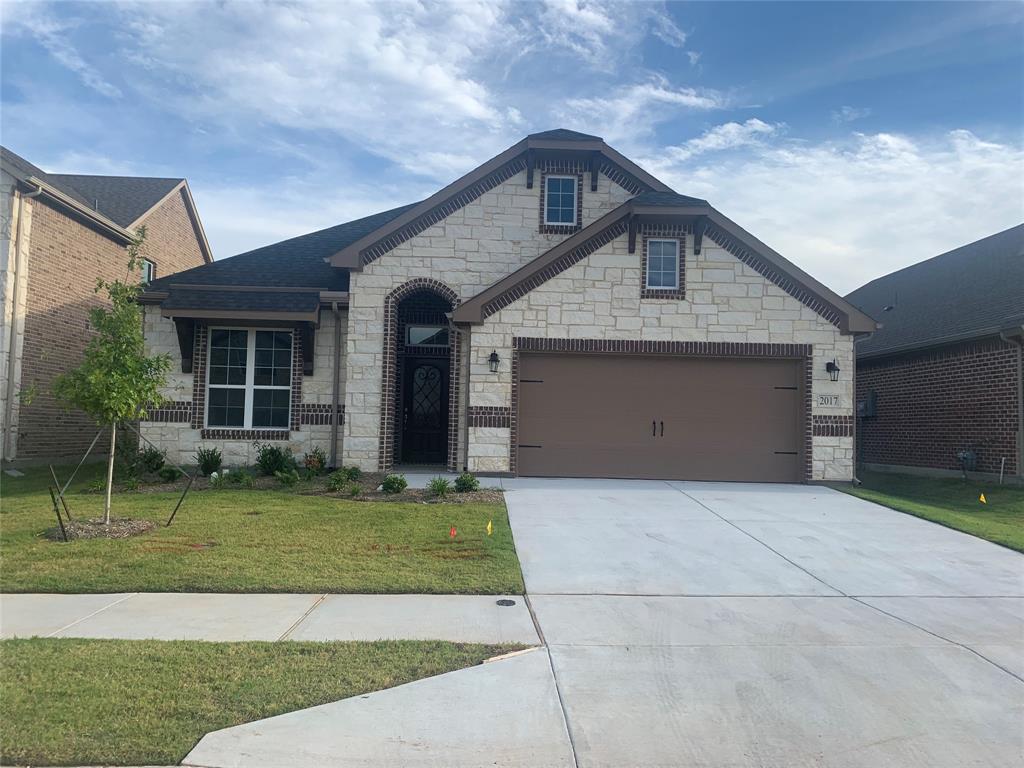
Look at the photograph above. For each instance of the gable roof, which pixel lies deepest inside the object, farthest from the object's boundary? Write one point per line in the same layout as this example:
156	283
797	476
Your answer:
123	199
729	235
116	203
299	262
972	291
518	157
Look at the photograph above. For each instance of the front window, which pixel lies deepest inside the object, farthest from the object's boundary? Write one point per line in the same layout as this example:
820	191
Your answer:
663	264
560	200
249	379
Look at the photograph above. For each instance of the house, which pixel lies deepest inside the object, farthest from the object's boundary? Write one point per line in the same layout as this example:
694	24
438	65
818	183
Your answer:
556	311
942	376
60	234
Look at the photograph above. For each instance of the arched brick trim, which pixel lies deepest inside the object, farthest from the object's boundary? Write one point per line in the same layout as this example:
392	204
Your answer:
389	372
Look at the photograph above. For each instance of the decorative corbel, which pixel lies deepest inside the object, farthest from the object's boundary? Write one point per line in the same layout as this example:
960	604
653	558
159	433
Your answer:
699	225
594	164
531	162
186	328
307	334
632	226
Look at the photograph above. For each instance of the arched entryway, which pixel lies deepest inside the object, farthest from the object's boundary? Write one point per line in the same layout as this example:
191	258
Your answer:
419	418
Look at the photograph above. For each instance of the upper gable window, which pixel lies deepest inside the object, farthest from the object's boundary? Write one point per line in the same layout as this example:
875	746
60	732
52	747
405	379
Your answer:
560	200
148	271
663	264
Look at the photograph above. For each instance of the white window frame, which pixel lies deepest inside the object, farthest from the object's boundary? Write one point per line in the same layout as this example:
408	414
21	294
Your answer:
575	200
675	272
146	280
250	375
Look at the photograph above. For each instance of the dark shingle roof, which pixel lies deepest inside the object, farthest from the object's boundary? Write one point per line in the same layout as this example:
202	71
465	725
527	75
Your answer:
666	199
122	199
564	134
251	301
972	291
297	262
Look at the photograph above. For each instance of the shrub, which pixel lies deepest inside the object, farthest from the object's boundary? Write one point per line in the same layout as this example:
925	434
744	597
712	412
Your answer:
465	483
438	487
355	489
394	484
242	477
209	460
169	474
315	461
272	459
287	477
96	485
351	473
152	459
131	483
337	480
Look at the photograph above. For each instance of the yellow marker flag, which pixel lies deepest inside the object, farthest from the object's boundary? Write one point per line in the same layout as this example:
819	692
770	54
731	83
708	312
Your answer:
490	528
982	499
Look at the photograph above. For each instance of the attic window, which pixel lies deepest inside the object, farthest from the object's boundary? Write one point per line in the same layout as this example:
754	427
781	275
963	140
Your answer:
560	200
148	271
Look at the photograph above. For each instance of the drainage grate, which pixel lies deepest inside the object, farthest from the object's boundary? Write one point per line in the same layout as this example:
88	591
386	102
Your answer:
505	603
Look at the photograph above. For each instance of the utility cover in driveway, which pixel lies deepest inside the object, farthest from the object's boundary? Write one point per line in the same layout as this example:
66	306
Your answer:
660	417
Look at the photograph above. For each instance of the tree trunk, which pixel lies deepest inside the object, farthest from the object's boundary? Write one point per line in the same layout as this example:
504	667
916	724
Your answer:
110	474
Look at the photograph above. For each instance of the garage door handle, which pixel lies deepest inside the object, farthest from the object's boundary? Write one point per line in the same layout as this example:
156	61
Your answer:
663	429
654	429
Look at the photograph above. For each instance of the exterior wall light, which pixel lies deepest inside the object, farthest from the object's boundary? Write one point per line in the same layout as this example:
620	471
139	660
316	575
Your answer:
492	361
833	370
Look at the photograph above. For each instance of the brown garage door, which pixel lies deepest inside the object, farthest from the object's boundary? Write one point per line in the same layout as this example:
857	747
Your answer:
660	417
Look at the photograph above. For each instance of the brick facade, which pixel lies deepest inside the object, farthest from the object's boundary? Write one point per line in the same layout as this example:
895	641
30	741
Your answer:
931	404
65	258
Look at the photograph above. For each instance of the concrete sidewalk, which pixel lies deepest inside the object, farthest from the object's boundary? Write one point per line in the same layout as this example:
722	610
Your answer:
235	617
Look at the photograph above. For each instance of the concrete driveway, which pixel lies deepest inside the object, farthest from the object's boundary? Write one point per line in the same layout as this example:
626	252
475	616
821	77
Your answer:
705	624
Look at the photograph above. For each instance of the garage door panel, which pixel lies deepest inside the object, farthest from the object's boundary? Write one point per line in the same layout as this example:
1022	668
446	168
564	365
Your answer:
660	417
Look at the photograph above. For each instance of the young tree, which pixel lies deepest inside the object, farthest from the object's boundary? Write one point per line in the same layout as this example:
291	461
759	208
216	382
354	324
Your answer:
116	380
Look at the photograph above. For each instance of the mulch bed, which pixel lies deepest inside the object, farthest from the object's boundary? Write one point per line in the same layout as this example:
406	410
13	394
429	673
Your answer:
119	528
368	483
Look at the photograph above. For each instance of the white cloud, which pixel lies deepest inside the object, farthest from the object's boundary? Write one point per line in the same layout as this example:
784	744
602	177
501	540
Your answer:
847	114
851	211
53	34
634	110
726	136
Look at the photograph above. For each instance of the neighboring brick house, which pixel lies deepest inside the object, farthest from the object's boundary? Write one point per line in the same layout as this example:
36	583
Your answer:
556	311
61	233
943	373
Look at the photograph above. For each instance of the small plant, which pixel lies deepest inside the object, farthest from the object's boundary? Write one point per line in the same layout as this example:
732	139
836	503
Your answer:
287	477
96	485
315	461
131	483
352	473
169	474
209	460
394	484
152	459
465	483
242	477
337	480
219	479
355	490
438	487
271	459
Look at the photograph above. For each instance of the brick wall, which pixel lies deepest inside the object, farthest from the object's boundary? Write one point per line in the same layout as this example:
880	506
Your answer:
65	259
932	404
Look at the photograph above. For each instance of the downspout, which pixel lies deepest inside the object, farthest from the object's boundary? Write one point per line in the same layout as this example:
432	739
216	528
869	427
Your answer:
1017	338
20	197
335	384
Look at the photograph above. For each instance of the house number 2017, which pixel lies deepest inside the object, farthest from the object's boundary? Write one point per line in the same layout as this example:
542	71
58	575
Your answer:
828	400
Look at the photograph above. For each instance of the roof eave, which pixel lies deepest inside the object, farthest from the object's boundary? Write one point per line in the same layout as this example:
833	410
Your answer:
101	222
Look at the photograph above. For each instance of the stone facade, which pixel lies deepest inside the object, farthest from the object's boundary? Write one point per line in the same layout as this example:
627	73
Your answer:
600	297
933	403
63	258
469	250
180	437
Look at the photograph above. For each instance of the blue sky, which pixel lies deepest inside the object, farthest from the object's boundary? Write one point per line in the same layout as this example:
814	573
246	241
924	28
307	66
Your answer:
855	138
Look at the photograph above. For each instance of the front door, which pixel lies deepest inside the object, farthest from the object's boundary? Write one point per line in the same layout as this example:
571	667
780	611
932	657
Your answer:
425	410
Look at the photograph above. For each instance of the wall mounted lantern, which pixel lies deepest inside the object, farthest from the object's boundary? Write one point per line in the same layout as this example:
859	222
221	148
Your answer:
492	361
833	370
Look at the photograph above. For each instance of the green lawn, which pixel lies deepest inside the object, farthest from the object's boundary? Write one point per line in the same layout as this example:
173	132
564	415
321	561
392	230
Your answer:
135	702
951	501
256	541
